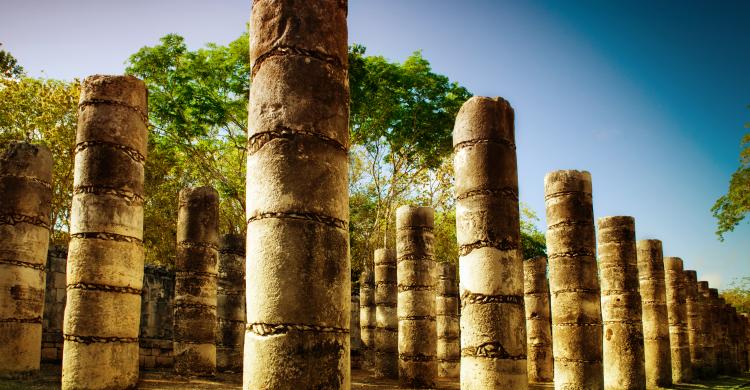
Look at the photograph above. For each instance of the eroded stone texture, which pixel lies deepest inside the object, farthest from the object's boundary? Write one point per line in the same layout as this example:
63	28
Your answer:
538	323
195	288
386	316
493	335
621	305
367	320
448	325
230	303
695	335
707	319
355	335
298	270
717	311
658	357
416	275
676	309
573	280
25	196
733	339
105	255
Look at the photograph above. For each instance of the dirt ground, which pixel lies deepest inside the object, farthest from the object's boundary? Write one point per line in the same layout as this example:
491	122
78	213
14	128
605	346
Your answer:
49	379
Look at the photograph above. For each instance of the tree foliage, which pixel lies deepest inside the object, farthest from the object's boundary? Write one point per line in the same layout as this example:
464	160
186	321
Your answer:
731	208
44	111
9	67
738	294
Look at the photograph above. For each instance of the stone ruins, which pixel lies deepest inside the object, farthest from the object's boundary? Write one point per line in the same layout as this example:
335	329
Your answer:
277	302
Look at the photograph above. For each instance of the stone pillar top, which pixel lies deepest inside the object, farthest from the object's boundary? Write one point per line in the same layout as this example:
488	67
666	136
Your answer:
567	181
25	159
415	216
484	118
673	263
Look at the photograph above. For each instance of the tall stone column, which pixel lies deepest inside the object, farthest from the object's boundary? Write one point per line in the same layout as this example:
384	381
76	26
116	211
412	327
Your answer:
573	280
298	269
538	325
717	328
695	337
677	311
367	320
355	337
707	319
25	197
230	303
488	233
416	274
658	358
621	305
386	300
105	254
732	339
448	326
195	286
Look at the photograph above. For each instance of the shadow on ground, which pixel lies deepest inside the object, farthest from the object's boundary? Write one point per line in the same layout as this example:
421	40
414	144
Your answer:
49	379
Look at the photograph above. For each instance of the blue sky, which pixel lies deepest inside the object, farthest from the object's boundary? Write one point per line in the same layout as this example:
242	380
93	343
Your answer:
651	97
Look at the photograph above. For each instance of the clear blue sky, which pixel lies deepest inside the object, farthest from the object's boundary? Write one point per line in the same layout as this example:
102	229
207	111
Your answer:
649	96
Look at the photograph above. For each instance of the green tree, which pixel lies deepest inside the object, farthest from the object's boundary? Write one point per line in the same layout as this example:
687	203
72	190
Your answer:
731	208
738	294
44	111
9	67
198	109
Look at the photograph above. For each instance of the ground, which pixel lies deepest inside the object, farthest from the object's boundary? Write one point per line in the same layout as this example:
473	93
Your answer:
361	380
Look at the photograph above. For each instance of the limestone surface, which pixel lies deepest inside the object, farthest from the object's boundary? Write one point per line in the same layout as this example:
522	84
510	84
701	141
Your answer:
677	311
538	322
658	357
574	281
447	310
621	305
355	335
416	276
707	321
367	320
105	254
386	316
493	335
195	298
695	335
298	269
25	198
230	303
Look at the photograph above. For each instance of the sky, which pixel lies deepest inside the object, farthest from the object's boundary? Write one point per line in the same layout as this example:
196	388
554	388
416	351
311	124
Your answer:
650	97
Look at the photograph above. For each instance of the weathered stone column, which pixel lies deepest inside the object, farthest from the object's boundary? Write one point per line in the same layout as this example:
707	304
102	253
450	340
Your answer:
25	197
746	334
298	269
195	287
732	339
355	339
105	255
230	303
677	311
538	325
448	326
717	328
658	358
367	320
573	280
621	305
416	276
386	300
493	335
695	337
707	318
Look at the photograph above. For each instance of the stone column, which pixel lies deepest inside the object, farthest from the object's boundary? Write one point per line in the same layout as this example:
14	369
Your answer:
717	328
195	288
355	335
707	318
746	334
695	337
386	299
488	233
621	305
298	269
448	327
105	255
677	311
367	320
658	358
573	279
538	325
25	197
732	340
416	275
230	303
